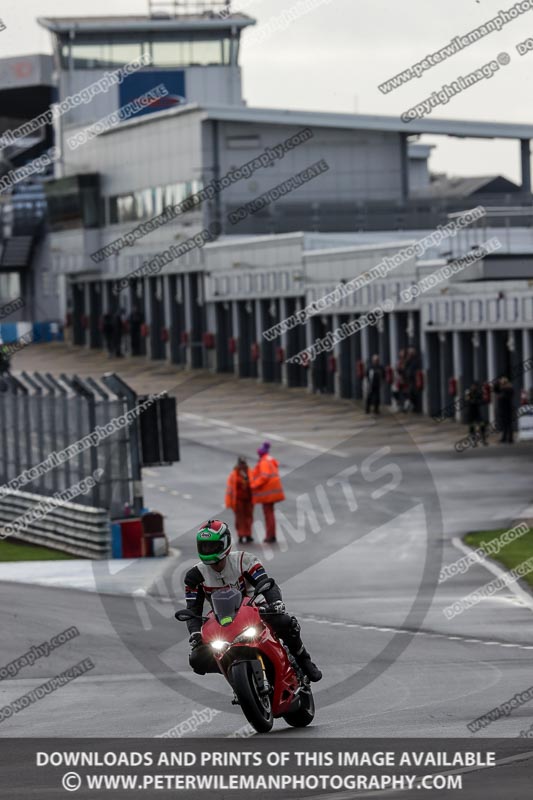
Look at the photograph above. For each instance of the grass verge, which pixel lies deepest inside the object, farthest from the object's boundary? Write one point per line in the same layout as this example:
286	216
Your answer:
19	551
511	554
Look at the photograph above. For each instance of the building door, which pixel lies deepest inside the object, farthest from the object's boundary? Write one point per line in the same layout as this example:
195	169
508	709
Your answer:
157	318
95	317
223	335
78	313
247	336
198	328
177	319
296	342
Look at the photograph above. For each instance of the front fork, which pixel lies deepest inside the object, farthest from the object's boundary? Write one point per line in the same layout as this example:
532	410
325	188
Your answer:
260	675
266	686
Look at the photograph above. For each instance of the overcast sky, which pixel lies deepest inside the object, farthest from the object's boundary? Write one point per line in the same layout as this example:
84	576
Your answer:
334	57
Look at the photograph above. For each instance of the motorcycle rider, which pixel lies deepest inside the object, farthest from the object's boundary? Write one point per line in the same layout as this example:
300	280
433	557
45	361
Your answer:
219	568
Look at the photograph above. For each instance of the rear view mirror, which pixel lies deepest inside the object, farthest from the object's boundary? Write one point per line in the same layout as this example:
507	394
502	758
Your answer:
264	586
184	615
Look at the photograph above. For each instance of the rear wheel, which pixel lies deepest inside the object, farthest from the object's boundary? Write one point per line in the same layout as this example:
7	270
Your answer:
305	714
256	708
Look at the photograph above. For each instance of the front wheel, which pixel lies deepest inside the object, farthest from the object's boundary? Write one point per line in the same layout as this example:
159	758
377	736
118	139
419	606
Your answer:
256	708
305	714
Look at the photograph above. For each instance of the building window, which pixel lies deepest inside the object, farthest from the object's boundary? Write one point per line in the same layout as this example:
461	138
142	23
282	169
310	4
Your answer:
158	200
74	202
443	312
146	203
100	54
112	210
527	308
93	52
126	208
476	311
459	312
512	310
9	285
169	54
493	311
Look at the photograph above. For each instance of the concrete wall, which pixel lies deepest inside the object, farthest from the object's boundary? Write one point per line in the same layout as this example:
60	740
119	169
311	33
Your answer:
491	306
143	154
209	85
363	166
277	261
18	72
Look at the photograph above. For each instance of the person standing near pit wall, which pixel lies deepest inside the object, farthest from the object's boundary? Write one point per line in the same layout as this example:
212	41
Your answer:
504	391
267	488
474	414
136	320
374	376
239	499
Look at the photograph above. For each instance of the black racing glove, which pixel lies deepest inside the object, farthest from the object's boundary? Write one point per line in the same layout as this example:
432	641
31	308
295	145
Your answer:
277	607
195	639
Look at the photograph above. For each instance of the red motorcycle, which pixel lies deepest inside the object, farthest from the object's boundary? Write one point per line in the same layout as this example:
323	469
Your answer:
265	678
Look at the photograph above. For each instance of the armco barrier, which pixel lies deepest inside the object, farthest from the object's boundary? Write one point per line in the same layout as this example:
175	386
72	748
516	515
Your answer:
82	531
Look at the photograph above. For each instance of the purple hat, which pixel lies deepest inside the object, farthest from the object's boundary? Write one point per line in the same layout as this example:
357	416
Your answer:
265	447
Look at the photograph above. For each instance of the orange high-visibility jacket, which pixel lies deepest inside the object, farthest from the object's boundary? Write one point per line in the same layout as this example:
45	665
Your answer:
266	483
238	490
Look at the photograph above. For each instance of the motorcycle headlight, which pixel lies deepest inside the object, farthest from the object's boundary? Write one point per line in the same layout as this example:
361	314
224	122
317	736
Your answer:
219	645
248	633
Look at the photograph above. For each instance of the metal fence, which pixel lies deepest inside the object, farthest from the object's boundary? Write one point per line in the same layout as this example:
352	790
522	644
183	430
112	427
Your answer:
351	216
178	8
41	415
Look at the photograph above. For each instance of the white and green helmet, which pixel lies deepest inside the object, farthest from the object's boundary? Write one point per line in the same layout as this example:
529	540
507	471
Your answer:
213	541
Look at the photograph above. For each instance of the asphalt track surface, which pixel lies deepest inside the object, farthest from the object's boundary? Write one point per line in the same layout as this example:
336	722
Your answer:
361	575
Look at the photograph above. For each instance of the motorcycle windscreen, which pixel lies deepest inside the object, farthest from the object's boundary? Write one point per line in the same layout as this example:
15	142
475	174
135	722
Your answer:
226	603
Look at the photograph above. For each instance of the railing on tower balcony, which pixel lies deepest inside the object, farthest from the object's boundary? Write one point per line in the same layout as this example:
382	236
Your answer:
177	8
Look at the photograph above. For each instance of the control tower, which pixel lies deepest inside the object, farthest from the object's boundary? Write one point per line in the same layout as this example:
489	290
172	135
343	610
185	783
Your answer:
191	47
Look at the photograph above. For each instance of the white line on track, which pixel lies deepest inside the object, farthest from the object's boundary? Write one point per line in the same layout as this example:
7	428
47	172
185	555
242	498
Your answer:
428	634
514	588
391	792
275	437
263	435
